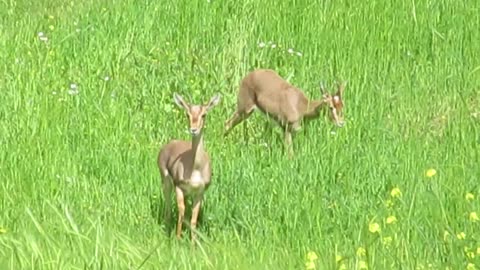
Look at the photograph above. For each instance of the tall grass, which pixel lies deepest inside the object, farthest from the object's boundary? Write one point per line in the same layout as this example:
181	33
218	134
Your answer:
83	115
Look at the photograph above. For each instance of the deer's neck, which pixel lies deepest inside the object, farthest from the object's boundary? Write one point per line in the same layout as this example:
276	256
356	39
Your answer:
198	151
313	108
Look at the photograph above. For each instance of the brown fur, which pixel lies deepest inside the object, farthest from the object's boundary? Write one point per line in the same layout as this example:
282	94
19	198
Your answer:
185	166
287	105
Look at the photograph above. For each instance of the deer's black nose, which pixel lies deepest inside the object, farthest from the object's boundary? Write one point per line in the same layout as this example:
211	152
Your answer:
194	131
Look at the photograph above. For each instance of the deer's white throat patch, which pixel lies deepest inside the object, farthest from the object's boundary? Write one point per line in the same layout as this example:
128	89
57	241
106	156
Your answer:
195	185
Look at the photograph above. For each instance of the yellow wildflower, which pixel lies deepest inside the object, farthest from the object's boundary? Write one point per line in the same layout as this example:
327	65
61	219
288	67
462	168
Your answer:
310	265
51	27
471	266
388	203
3	230
51	17
469	196
430	172
461	236
362	265
391	220
396	192
387	240
332	205
374	227
312	256
342	267
470	255
361	252
338	258
473	217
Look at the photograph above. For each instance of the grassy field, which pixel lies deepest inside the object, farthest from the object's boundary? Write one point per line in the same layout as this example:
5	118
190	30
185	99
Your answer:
86	103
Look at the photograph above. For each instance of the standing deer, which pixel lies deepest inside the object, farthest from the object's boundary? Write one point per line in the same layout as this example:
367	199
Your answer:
287	105
185	166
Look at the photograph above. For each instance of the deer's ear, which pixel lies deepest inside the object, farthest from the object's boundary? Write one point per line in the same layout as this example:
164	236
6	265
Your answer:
213	101
323	90
179	101
341	88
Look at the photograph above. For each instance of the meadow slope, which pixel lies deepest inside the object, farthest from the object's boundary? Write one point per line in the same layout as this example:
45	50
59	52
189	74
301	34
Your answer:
86	102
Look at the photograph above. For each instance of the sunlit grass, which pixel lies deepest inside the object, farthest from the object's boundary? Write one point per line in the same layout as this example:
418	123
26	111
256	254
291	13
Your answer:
86	103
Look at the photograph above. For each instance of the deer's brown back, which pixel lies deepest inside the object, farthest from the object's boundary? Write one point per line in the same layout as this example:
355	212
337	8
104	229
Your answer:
275	96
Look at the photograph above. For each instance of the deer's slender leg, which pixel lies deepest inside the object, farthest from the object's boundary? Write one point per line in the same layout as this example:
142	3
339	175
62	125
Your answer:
167	186
234	120
197	203
181	210
288	142
265	127
245	133
295	127
237	118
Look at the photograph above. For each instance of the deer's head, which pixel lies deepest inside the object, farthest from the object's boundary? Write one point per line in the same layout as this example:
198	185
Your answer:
334	103
196	113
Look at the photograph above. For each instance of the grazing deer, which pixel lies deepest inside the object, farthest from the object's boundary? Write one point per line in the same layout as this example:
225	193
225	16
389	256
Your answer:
185	166
287	105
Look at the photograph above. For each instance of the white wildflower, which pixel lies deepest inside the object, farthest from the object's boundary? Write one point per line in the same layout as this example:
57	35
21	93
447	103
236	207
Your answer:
73	89
42	37
73	92
290	51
